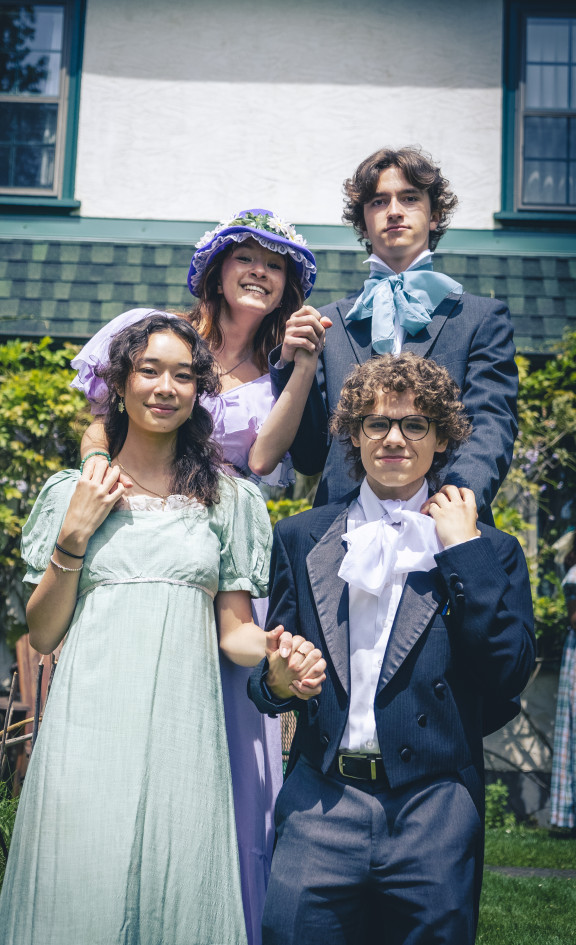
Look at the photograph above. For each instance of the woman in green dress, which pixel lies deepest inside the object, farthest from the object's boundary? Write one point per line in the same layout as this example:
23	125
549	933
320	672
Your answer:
125	833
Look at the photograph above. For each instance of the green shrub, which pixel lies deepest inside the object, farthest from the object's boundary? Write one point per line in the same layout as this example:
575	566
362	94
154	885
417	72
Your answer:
40	432
283	508
497	813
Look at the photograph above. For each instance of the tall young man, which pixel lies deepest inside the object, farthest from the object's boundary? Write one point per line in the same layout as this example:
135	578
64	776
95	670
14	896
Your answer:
400	204
425	625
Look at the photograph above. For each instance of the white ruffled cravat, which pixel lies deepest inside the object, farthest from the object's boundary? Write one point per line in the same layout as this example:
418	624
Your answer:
395	540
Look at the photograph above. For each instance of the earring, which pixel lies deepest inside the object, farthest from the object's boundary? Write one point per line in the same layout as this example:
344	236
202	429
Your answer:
121	407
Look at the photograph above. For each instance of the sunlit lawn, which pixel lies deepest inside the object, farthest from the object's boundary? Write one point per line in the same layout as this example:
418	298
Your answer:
528	910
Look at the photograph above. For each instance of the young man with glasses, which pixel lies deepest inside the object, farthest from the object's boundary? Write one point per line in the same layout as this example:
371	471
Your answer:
408	630
400	205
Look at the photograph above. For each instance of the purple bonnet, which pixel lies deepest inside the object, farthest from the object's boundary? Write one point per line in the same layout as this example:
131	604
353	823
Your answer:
269	230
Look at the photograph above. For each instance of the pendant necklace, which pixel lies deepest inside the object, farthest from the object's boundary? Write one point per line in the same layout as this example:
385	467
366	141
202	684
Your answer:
229	371
145	488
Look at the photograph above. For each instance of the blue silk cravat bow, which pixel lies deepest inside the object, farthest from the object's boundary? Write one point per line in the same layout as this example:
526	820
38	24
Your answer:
412	296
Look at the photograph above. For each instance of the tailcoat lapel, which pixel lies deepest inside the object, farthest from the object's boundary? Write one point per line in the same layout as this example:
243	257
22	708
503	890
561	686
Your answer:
421	597
359	334
331	597
422	341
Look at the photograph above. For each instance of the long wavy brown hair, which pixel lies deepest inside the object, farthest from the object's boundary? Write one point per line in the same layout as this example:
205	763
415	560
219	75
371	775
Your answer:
198	459
205	318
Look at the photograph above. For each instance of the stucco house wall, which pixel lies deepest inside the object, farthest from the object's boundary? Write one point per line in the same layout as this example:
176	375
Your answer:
191	110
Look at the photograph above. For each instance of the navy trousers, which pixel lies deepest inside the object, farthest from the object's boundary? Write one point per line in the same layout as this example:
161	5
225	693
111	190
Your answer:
360	866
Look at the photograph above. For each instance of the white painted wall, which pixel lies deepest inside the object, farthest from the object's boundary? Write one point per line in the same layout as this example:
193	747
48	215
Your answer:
191	110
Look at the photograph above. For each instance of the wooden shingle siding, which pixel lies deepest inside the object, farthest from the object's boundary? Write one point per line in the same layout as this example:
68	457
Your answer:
68	290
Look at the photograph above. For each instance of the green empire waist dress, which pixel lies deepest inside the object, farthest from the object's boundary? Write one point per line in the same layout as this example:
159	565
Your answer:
125	833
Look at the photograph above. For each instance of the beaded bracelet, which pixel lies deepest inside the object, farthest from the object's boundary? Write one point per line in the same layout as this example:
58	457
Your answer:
68	553
95	453
62	568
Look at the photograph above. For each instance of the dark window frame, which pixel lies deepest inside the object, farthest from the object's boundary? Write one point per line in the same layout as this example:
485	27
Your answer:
516	13
61	196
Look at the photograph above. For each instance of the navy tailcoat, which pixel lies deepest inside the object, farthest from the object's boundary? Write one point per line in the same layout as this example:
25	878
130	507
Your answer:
461	649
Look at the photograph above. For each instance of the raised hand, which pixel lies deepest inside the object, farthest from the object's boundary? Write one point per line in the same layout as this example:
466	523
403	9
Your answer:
304	334
455	514
96	465
96	494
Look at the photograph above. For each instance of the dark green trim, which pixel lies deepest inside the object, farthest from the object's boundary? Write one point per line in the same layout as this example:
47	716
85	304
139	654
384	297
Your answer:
73	112
535	217
40	204
44	226
510	72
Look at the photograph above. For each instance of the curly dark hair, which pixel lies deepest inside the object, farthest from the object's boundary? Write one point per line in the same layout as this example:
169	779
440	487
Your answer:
418	169
435	394
205	317
198	459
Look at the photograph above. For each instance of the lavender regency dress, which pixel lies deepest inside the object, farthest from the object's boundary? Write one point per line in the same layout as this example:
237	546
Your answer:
254	740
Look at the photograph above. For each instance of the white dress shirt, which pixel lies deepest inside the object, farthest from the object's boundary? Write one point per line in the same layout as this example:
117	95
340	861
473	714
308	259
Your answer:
371	614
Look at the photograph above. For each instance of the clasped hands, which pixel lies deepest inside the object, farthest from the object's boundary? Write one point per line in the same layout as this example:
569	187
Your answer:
295	666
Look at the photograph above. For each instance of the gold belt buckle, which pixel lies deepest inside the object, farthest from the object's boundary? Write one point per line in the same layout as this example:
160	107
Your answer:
355	777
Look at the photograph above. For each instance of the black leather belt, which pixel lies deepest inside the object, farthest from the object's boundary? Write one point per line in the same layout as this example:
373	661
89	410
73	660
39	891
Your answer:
361	767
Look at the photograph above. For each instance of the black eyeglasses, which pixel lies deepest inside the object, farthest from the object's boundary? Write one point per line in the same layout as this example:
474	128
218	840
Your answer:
377	427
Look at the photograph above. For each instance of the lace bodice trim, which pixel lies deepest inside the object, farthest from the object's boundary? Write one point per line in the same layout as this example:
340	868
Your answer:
149	503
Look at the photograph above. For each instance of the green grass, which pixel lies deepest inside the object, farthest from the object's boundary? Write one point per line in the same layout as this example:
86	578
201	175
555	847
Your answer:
526	846
527	911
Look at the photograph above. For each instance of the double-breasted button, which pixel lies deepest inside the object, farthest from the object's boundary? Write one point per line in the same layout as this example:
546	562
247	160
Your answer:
439	689
406	754
313	705
422	720
325	739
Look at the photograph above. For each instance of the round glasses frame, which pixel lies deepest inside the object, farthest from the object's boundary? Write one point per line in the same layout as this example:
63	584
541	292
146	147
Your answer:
413	427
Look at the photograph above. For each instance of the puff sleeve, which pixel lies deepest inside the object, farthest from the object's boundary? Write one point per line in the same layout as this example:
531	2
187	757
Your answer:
245	539
45	521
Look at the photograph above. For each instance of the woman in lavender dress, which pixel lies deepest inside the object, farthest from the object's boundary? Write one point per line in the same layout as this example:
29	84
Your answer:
251	274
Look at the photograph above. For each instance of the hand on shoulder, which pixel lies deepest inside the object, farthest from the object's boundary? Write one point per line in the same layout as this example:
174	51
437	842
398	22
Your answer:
96	493
455	514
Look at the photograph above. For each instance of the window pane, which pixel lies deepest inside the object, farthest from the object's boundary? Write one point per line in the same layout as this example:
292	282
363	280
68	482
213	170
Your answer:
547	86
47	67
572	184
547	40
4	167
49	28
545	182
545	137
30	49
572	132
33	167
23	122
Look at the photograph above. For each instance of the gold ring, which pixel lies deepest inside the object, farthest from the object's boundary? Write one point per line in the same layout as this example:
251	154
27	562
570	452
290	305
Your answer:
302	654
